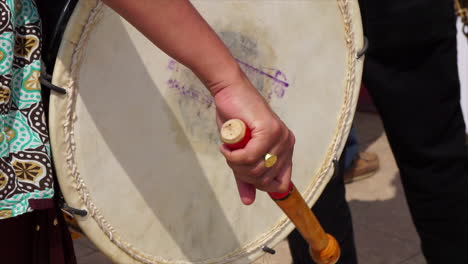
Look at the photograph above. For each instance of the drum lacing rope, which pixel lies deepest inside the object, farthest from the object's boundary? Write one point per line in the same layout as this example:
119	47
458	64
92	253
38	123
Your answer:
345	118
311	192
69	131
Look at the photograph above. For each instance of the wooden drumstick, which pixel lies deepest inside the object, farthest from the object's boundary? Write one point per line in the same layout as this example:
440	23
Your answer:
323	247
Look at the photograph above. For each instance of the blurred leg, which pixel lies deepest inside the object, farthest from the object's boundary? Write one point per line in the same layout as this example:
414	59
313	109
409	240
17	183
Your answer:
411	73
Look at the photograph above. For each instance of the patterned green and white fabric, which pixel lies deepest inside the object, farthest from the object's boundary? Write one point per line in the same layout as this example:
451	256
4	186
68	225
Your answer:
25	164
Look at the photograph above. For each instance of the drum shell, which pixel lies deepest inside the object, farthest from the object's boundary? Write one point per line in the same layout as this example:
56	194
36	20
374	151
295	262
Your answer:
67	124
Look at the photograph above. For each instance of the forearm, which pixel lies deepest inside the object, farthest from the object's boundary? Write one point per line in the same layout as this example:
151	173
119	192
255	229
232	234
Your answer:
178	29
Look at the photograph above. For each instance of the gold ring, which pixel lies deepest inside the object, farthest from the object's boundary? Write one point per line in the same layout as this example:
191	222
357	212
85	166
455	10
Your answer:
270	160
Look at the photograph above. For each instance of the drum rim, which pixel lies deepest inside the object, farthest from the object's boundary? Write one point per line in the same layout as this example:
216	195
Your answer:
93	10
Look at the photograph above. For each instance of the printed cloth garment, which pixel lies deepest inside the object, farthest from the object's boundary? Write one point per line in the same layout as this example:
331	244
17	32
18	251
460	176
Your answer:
25	164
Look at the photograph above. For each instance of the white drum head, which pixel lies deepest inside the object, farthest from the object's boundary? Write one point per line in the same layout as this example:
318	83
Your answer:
135	141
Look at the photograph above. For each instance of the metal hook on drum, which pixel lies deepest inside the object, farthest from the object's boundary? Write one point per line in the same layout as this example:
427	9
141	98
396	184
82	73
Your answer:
363	51
268	250
45	80
49	85
70	210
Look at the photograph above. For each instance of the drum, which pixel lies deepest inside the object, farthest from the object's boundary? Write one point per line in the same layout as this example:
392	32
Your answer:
135	142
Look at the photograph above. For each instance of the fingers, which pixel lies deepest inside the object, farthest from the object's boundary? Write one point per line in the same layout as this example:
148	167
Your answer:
273	179
274	139
247	192
251	169
265	139
283	180
263	178
276	180
268	135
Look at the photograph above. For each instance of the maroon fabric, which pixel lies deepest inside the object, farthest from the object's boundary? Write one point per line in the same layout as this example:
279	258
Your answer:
365	103
40	237
40	204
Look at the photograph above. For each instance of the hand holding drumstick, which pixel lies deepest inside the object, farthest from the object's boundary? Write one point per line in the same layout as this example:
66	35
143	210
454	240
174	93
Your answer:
268	135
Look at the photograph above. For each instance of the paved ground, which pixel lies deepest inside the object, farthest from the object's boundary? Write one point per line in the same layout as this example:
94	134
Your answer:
383	229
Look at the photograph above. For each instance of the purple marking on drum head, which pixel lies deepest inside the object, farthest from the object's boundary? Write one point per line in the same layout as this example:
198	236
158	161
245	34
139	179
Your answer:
278	79
190	92
172	65
274	78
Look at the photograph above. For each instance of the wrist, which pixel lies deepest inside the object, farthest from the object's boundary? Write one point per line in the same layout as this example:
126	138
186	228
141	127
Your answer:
222	76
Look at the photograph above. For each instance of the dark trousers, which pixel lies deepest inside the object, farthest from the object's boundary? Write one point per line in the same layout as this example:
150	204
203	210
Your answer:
411	74
39	237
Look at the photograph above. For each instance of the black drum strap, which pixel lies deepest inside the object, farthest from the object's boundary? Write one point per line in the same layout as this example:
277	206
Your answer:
54	15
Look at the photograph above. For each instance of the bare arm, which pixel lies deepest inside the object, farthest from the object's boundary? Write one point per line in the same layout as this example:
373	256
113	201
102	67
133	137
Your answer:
179	30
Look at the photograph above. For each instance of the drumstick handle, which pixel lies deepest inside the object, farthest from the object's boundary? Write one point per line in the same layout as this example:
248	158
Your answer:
323	247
